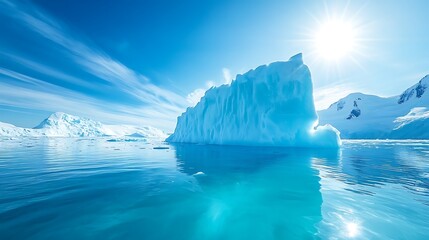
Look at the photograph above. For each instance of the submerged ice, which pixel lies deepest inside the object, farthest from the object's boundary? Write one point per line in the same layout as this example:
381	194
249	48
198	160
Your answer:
271	105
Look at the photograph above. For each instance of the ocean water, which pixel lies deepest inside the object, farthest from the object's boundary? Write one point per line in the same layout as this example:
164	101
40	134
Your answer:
104	189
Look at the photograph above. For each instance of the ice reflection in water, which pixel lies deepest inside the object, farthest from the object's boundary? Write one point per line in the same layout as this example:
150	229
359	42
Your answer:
256	193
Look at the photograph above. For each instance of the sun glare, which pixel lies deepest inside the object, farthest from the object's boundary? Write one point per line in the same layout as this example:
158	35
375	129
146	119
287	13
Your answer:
334	40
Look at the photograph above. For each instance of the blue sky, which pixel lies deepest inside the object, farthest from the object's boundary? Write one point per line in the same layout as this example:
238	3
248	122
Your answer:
144	62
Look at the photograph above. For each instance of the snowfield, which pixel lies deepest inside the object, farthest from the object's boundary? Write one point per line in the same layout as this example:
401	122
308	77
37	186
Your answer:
271	105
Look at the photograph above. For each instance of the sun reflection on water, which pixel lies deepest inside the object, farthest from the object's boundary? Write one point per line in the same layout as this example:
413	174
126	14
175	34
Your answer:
352	229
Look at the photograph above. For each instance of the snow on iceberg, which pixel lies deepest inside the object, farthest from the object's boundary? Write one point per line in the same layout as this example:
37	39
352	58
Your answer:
268	106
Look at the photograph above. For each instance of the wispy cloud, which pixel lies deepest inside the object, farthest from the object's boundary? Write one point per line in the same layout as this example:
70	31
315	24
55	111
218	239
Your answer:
227	76
194	97
158	106
32	93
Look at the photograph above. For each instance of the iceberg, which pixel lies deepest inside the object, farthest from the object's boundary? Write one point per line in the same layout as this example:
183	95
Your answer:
271	105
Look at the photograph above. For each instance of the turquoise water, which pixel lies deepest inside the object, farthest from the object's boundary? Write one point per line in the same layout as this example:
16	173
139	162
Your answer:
101	189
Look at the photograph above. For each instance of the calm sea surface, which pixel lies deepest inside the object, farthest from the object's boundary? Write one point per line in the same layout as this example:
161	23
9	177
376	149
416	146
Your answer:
104	189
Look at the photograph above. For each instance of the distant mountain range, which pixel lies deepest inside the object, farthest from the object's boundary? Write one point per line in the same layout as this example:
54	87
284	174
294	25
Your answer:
64	125
363	116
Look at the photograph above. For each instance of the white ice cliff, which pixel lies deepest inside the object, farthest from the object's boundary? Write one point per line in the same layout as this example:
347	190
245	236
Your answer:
271	105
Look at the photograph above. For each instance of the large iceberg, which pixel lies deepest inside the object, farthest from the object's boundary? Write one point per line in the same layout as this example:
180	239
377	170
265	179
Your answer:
268	106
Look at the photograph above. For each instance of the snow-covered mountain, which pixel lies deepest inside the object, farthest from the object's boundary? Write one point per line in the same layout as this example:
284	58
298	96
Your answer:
271	105
64	125
367	116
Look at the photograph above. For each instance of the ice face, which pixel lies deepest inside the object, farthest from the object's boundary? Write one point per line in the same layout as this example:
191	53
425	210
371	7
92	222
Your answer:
268	106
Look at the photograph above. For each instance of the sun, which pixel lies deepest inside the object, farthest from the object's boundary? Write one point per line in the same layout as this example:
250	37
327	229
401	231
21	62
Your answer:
335	39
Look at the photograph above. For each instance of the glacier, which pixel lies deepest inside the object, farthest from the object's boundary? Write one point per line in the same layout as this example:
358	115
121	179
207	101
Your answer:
271	105
60	124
